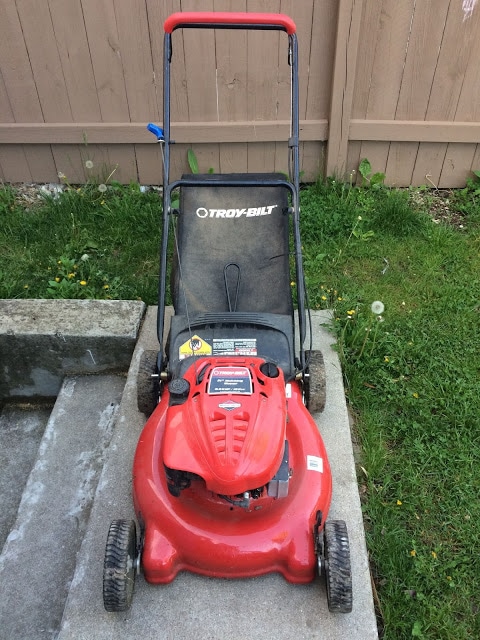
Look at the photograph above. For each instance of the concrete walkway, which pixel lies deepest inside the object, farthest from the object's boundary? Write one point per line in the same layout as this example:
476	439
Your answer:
197	608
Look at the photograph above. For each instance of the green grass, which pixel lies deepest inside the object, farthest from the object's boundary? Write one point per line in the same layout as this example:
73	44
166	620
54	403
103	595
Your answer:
411	379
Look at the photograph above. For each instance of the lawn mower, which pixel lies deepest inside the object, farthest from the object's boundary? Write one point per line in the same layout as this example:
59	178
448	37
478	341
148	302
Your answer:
230	477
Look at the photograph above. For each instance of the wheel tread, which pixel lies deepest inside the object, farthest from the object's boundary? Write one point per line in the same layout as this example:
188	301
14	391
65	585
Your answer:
338	569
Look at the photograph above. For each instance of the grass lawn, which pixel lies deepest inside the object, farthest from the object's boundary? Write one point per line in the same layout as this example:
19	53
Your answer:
411	370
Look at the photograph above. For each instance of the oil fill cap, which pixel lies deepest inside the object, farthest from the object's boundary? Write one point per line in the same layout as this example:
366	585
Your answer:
179	388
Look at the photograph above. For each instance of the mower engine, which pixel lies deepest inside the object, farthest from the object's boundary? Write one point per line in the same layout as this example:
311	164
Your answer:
226	424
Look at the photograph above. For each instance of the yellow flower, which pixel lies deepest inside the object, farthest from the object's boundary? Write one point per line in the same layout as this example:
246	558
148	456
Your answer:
413	553
339	299
434	555
71	275
106	286
25	286
57	279
399	503
386	359
324	297
351	312
83	283
415	395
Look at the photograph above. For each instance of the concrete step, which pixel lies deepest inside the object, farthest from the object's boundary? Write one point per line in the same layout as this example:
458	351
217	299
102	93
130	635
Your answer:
21	430
39	557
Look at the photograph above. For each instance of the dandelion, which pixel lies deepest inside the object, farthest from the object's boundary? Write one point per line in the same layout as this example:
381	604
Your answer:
434	555
89	164
413	553
85	257
339	299
415	395
386	359
292	283
61	175
57	279
378	307
351	312
83	282
25	286
102	188
71	275
399	503
106	286
324	297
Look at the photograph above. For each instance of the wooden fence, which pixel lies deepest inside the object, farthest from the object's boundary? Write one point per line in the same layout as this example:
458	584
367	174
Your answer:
396	81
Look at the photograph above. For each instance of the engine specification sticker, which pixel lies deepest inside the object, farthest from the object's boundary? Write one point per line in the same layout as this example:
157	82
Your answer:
235	347
230	380
314	463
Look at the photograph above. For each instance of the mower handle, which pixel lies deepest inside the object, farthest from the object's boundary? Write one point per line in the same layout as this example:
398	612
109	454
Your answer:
229	20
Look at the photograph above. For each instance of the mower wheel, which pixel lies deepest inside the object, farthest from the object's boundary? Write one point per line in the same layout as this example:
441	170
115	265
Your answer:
338	571
315	386
120	565
147	386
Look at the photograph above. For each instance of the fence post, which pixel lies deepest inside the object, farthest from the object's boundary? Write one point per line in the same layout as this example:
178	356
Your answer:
343	84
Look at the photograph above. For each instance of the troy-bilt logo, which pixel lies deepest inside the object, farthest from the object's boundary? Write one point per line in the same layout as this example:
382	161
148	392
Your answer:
236	213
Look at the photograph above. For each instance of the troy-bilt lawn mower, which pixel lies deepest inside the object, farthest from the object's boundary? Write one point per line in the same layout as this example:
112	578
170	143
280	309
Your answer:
231	478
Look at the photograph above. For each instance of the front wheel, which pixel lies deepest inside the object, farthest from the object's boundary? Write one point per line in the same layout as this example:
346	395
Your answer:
338	571
120	565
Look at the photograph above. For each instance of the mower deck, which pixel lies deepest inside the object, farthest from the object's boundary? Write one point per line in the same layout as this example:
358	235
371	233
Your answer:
202	532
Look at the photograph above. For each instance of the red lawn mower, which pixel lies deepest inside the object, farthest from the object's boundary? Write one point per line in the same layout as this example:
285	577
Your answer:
231	478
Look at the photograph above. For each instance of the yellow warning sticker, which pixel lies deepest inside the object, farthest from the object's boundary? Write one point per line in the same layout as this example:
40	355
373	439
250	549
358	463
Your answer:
195	346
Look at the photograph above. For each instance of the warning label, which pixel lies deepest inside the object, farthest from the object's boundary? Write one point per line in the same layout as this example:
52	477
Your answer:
230	380
235	347
194	347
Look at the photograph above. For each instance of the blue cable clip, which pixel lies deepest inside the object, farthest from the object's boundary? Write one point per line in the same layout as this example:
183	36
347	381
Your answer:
156	130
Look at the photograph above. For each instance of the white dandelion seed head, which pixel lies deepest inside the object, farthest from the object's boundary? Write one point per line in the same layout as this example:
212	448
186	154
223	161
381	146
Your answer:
89	164
102	188
378	307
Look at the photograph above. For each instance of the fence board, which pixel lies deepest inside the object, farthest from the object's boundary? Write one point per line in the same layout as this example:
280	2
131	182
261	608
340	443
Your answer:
459	157
428	23
344	68
459	37
392	23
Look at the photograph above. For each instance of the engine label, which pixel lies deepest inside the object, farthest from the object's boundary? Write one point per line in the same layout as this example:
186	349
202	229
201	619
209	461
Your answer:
235	347
235	380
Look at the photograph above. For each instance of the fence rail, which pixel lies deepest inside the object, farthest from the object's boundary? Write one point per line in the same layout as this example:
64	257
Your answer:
396	82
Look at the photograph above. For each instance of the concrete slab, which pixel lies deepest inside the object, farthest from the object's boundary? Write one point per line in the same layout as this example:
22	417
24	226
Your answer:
21	430
193	607
39	557
42	341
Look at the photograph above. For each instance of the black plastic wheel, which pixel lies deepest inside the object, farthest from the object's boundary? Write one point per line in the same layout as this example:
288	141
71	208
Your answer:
315	384
338	571
147	387
119	568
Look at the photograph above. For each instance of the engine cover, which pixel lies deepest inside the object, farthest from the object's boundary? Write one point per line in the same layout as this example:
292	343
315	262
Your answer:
230	428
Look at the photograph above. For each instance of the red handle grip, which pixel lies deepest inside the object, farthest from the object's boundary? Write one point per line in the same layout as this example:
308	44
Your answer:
225	19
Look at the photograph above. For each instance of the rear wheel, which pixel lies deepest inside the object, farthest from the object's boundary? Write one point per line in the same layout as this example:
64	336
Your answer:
338	571
315	384
119	567
147	383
